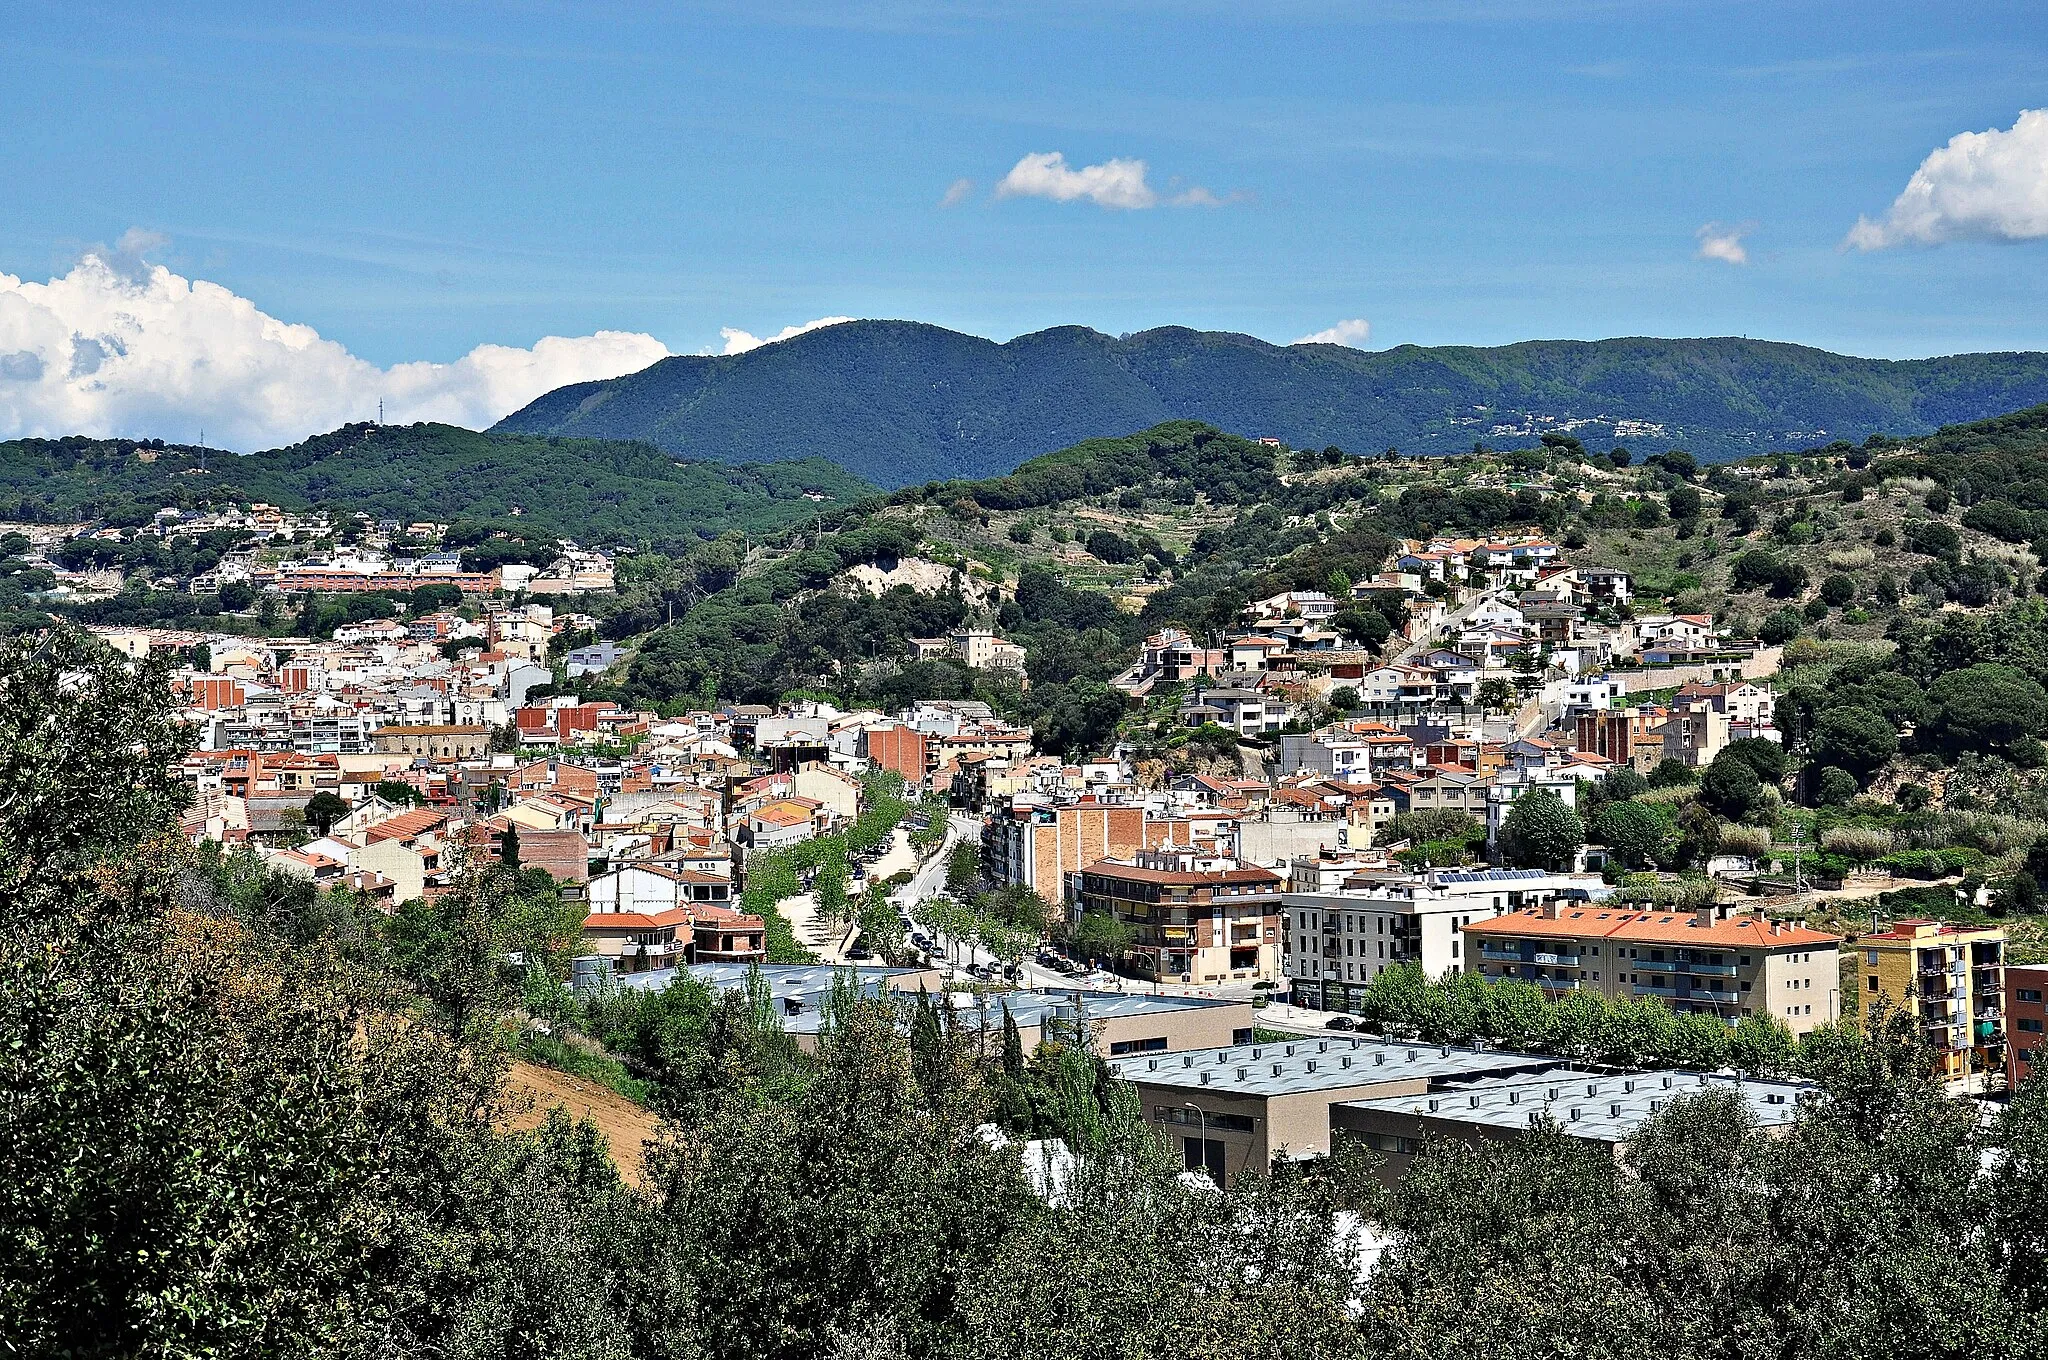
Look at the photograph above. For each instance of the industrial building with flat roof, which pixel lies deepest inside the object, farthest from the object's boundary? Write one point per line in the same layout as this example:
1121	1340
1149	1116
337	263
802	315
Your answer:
1600	1108
1236	1109
1117	1023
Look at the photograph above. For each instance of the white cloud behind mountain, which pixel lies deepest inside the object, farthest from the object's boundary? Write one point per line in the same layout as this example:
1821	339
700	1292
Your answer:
738	341
1354	333
1981	186
122	346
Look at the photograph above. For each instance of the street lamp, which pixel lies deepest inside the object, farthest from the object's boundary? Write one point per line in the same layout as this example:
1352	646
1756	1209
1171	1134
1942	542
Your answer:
1203	1116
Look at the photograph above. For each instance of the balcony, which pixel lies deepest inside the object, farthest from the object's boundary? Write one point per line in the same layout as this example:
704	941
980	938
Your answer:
1708	969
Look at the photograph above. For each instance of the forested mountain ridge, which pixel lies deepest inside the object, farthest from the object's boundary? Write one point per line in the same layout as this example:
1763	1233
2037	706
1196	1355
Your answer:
900	402
594	490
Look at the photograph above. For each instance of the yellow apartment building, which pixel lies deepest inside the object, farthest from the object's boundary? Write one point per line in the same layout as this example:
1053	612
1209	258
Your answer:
1951	980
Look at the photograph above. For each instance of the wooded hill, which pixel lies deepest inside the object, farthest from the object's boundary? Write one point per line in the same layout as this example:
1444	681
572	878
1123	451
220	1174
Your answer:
593	490
899	402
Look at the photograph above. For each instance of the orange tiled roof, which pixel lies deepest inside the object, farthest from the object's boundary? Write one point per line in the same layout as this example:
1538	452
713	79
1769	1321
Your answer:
1652	927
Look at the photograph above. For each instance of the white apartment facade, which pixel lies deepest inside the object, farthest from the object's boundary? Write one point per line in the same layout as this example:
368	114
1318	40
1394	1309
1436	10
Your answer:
1344	922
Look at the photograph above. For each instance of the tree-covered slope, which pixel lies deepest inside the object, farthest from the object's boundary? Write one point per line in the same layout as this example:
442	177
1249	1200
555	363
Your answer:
589	489
901	402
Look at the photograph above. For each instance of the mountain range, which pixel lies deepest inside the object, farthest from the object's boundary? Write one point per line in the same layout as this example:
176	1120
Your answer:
899	402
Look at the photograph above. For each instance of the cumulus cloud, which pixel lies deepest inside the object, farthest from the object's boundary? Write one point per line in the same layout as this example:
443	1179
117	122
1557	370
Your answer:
1118	182
738	341
1354	333
958	192
1982	186
121	346
1724	243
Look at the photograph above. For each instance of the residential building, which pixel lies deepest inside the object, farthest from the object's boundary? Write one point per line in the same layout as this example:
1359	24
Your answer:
1695	733
440	740
1951	980
1193	916
1740	701
642	942
2026	1012
1348	919
899	747
1248	712
1707	961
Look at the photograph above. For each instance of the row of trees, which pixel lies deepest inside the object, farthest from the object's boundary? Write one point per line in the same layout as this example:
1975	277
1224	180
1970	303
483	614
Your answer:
1586	1026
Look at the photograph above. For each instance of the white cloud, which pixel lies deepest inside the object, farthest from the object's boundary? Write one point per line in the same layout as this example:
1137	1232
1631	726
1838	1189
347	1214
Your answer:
738	341
958	192
120	346
1982	186
1724	243
1354	333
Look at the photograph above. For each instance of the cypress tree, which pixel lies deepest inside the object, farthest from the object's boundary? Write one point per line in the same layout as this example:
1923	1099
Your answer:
1013	1046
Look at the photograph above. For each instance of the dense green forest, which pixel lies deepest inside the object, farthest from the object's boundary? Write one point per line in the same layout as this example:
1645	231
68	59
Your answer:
900	402
239	1119
593	490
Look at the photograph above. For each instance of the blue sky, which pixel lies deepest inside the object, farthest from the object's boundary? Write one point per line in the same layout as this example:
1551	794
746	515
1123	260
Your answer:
414	180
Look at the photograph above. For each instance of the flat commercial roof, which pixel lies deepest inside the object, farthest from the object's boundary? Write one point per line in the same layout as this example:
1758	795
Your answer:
1606	1108
799	982
1303	1066
1034	1008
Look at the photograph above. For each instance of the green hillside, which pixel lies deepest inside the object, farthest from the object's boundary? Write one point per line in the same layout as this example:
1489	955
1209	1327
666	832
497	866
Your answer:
589	489
900	402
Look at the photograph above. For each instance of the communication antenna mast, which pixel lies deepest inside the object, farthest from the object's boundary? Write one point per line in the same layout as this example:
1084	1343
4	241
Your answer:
380	410
202	448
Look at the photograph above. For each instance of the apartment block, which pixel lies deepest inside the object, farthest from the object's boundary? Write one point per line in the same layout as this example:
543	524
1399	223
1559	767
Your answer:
1706	961
1044	846
2025	1014
1193	916
1347	922
1951	980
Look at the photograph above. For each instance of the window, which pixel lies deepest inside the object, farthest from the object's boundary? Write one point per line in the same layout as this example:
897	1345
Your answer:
1123	1046
1872	984
1870	957
1240	1036
2029	994
2031	1026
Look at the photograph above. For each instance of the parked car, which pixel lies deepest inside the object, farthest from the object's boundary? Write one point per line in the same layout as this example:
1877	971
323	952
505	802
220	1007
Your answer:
857	953
1343	1022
